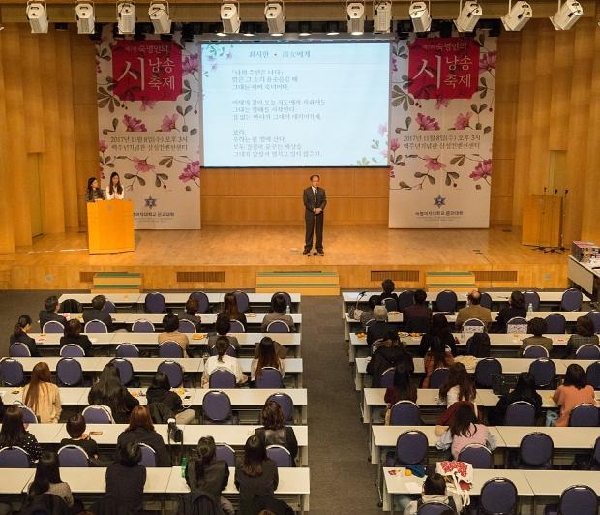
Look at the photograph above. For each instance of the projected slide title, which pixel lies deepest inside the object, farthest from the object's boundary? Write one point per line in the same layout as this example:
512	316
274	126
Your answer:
313	104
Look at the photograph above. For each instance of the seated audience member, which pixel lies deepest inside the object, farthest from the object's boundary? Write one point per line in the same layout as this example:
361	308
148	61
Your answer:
22	327
417	316
515	308
97	313
207	474
378	329
536	326
389	354
457	387
191	308
278	305
440	328
369	313
584	336
125	479
13	433
572	392
266	357
524	391
222	327
434	490
172	334
256	476
437	357
274	430
160	391
464	430
47	479
42	396
222	362
76	430
141	430
473	310
388	292
402	389
73	335
109	391
479	345
230	308
50	312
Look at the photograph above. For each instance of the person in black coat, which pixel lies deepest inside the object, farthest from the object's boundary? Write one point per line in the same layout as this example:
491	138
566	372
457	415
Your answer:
73	335
274	430
524	391
20	335
109	391
516	308
125	480
389	354
160	391
439	329
50	312
97	313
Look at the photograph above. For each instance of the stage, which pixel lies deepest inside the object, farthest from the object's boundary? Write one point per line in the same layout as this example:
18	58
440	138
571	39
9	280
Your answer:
223	258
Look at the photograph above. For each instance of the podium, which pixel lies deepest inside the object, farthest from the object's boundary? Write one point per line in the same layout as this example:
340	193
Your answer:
541	220
110	226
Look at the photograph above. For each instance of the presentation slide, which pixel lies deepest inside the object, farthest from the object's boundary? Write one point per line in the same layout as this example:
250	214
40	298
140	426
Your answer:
295	104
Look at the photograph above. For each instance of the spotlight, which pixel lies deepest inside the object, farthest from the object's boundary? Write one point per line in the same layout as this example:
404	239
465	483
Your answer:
517	16
275	16
469	15
36	14
566	15
230	15
355	12
84	14
159	16
126	17
382	16
420	16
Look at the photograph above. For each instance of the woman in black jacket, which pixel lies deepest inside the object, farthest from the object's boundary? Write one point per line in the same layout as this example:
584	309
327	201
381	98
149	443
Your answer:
524	391
109	391
20	335
389	354
160	391
274	430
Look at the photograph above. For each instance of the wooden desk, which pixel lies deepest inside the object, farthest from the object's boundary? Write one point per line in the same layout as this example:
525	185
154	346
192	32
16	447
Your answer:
16	480
129	299
547	485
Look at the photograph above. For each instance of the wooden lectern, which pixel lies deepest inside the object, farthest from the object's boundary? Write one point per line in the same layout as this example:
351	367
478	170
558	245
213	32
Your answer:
541	220
110	226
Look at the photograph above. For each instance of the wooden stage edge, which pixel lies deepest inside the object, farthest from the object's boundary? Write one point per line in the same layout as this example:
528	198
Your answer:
224	258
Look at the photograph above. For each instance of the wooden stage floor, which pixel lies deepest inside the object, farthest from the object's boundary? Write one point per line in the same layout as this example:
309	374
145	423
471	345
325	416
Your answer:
220	257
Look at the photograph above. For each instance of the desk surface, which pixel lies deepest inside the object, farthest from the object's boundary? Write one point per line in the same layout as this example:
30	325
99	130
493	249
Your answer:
554	482
563	437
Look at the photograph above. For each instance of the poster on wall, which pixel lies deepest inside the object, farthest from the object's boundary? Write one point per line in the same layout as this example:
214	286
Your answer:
441	132
148	103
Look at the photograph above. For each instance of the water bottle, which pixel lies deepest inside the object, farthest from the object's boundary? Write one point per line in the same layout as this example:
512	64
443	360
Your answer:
431	305
183	466
530	308
287	309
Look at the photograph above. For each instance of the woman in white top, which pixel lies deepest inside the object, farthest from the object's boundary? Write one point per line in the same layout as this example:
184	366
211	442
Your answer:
457	387
114	188
222	362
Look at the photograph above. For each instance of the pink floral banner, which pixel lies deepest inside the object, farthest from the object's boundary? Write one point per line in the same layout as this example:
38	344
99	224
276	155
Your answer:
441	132
149	121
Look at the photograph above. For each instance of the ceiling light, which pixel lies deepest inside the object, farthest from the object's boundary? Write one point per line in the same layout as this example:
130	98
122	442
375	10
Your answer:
355	13
566	15
230	16
275	16
469	16
126	17
382	16
84	14
36	14
518	15
159	16
420	16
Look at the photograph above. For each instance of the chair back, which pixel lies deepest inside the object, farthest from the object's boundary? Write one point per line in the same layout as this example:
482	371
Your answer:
411	448
390	304
148	455
72	456
386	379
53	326
486	300
71	350
243	301
405	413
14	457
270	378
418	324
438	377
202	299
11	372
477	455
592	374
595	457
19	350
286	403
516	325
578	500
556	323
535	351
520	413
98	414
186	326
95	326
173	370
584	415
433	508
594	316
588	351
109	307
170	349
280	455
142	326
485	370
29	416
533	298
499	496
225	453
544	372
221	379
473	325
216	408
231	351
127	350
571	300
155	303
278	326
536	451
235	326
405	298
125	369
69	372
446	301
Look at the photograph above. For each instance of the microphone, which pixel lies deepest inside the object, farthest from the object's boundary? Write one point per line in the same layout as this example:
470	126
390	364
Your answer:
353	312
173	432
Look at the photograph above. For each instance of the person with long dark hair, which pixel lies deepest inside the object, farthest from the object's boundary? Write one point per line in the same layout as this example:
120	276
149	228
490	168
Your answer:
440	328
43	396
109	391
114	188
22	327
389	354
160	391
208	474
266	357
13	433
125	480
141	430
465	430
457	387
572	392
437	357
47	479
72	335
257	476
93	191
524	391
222	362
230	307
516	308
274	430
402	389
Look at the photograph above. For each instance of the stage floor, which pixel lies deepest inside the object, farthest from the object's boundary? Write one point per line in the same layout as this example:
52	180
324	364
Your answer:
361	255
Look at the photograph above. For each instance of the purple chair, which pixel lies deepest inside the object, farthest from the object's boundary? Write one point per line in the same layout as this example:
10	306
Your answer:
556	324
235	326
571	300
405	298
225	453
109	307
170	349
543	371
148	455
53	326
405	413
390	304
186	326
286	403
69	372
98	414
278	326
71	350
142	326
386	378
485	370
155	302
221	379
535	451
270	378
125	369
592	374
575	500
520	413
127	350
19	350
95	326
516	325
29	416
533	298
202	299
216	409
477	455
595	318
535	351
498	496
14	457
433	508
486	300
11	372
243	301
280	455
588	352
72	456
446	301
173	371
411	449
584	415
438	377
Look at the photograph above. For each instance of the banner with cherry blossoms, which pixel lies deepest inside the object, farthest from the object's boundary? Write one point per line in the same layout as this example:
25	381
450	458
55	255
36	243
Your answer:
441	132
148	102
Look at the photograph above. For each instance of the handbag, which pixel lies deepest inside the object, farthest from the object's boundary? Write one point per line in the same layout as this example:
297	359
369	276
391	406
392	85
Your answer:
459	475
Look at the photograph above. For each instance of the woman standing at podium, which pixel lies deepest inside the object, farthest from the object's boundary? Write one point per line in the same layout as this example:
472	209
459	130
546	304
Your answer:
114	188
93	192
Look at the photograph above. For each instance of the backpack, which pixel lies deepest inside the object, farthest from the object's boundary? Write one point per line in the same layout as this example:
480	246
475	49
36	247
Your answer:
199	503
160	412
71	306
272	504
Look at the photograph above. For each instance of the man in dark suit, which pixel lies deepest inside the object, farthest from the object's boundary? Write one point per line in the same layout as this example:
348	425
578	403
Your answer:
50	312
97	313
314	203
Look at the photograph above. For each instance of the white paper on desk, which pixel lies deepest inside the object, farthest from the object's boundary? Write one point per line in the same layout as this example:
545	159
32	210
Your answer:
413	488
